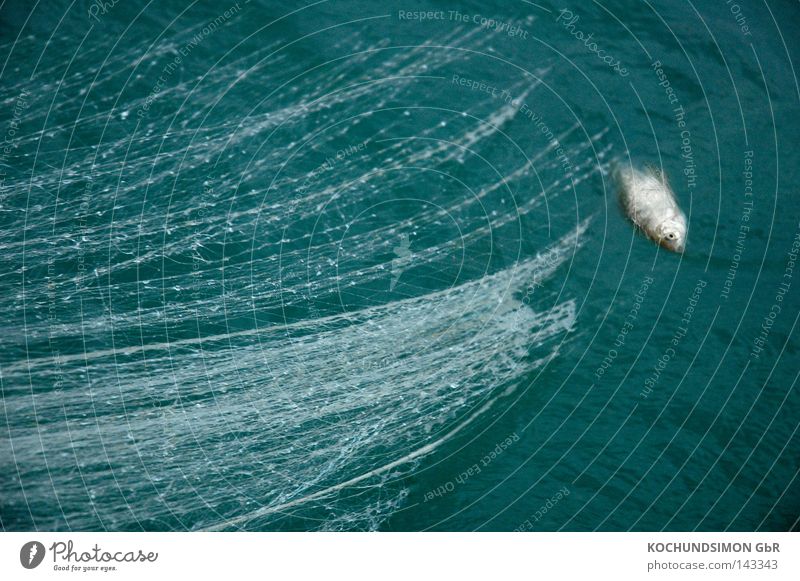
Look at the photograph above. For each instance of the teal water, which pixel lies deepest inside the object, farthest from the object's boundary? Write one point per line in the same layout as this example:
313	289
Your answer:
337	267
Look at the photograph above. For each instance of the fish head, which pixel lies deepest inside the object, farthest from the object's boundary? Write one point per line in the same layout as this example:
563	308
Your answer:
672	234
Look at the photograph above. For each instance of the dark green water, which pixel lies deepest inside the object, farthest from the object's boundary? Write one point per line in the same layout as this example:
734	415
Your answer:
334	267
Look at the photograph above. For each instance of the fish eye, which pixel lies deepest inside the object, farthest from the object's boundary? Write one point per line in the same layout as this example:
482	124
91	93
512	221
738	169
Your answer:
671	236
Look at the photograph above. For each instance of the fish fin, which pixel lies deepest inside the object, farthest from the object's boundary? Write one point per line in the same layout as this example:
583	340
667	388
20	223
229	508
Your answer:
657	173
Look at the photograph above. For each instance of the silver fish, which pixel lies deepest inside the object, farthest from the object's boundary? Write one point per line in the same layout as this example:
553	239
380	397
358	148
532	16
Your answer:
649	202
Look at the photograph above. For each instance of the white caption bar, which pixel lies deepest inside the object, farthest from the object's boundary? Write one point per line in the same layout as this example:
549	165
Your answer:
355	556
